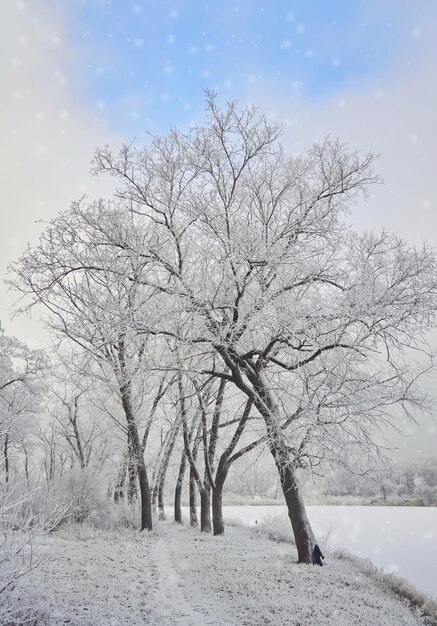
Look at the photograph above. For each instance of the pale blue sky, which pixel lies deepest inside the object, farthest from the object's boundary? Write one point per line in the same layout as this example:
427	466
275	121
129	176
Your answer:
146	62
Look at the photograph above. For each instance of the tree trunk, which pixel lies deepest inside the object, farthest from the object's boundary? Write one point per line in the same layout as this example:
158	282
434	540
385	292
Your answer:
303	534
134	439
73	416
193	500
161	508
164	468
259	392
26	464
132	491
137	453
121	479
178	489
217	497
205	509
6	457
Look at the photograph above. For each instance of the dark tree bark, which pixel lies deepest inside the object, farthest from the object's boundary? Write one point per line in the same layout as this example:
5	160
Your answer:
6	457
257	389
73	411
217	496
223	469
132	491
193	500
133	436
26	464
205	510
206	523
178	489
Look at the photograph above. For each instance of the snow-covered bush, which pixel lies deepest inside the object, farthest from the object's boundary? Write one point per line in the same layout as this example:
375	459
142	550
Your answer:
18	547
276	526
75	497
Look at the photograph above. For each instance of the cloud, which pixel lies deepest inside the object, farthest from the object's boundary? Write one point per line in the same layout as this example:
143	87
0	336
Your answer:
48	133
391	113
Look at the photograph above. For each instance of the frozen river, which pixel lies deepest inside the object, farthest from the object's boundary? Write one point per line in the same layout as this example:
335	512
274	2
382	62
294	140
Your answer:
401	540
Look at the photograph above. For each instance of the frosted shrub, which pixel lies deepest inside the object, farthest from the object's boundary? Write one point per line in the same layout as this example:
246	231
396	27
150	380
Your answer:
17	553
277	527
73	497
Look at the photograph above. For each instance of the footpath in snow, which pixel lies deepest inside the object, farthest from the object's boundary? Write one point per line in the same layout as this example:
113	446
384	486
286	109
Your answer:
178	576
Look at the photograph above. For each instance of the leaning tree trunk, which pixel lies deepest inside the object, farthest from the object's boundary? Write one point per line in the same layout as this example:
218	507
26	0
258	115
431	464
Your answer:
259	391
264	402
303	533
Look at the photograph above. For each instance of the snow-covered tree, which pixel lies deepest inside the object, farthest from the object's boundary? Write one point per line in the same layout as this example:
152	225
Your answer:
240	254
22	371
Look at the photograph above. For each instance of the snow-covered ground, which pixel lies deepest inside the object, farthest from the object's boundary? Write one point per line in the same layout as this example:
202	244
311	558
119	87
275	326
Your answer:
401	540
178	576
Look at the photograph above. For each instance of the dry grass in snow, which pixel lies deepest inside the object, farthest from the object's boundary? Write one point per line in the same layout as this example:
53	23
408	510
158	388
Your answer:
178	576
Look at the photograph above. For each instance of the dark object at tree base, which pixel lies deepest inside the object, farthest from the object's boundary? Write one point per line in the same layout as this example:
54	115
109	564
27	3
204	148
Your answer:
317	556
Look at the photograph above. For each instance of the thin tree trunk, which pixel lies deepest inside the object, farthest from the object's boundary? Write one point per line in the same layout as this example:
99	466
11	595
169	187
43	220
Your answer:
163	473
121	479
184	459
178	489
195	480
6	457
26	464
223	468
193	499
159	466
73	415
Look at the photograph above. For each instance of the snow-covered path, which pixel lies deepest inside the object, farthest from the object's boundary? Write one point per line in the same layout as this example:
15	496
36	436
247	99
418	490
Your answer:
177	576
170	602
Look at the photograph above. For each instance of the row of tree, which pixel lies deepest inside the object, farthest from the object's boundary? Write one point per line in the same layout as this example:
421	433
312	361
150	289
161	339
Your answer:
408	482
219	303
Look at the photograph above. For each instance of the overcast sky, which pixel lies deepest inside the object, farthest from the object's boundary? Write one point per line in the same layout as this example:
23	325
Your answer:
76	74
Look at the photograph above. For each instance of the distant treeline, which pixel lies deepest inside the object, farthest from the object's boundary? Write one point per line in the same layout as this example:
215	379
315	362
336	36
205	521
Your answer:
413	483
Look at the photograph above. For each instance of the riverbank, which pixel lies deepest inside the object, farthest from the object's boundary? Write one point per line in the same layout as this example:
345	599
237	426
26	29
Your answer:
178	576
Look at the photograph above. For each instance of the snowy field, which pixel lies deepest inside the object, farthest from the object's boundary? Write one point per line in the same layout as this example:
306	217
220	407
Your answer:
177	576
401	540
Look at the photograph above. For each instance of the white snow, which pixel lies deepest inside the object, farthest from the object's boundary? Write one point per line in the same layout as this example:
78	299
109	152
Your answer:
401	540
178	576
